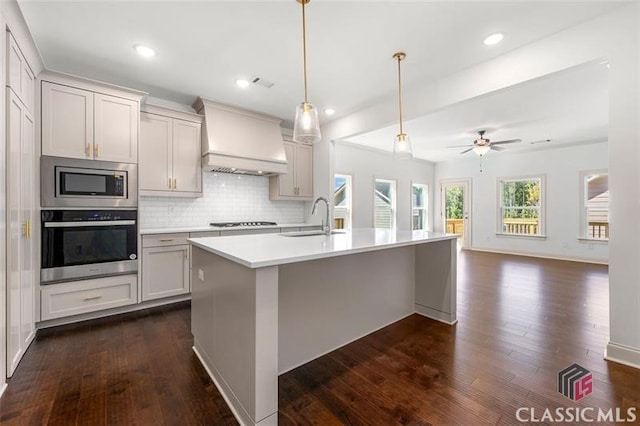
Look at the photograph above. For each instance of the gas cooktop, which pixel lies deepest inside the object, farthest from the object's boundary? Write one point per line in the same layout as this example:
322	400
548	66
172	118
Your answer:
235	224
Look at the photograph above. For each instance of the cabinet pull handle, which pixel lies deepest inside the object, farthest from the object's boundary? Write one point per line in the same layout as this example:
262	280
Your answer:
25	229
87	149
166	240
29	229
175	183
169	183
97	296
97	150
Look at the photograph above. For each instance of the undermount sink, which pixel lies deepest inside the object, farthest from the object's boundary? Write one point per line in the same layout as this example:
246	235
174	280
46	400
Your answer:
310	233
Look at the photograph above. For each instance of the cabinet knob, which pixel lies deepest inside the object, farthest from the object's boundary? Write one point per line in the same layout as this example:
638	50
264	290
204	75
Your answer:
87	149
97	150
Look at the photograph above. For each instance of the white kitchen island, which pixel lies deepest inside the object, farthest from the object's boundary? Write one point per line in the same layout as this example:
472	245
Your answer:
265	304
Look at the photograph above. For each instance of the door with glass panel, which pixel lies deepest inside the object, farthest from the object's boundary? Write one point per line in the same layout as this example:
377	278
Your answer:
455	210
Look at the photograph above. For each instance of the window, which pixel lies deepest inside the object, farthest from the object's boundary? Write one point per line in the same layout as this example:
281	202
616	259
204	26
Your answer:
419	206
384	204
342	191
595	205
521	206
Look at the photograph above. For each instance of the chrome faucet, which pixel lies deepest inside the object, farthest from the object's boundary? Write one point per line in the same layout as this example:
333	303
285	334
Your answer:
325	226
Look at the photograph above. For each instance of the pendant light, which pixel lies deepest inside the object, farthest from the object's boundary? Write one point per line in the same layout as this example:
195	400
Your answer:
306	127
401	144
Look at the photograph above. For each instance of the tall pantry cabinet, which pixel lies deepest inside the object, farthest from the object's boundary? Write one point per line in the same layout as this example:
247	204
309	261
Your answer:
21	208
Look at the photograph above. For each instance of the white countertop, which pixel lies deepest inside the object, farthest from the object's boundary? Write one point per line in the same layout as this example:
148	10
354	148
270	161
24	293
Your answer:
205	228
256	251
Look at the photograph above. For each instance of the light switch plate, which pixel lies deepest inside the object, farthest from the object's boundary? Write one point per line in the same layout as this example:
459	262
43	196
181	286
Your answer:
200	274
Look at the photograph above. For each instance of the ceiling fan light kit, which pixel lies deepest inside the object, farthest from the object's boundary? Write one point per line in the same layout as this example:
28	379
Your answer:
401	144
306	127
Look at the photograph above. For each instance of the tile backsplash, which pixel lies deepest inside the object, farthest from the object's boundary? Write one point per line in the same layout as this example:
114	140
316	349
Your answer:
227	198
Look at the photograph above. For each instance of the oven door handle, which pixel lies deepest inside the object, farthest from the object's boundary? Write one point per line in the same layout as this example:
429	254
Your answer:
88	223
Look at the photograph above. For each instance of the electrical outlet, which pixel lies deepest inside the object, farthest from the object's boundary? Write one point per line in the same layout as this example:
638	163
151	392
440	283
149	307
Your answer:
200	274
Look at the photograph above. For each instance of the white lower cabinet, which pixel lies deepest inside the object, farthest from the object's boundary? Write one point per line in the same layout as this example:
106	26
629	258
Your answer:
80	297
165	266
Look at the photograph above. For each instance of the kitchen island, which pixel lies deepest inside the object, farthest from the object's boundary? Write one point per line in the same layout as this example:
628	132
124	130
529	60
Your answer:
265	304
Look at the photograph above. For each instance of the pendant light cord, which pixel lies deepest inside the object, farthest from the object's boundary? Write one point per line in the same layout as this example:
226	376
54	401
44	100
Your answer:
400	93
304	50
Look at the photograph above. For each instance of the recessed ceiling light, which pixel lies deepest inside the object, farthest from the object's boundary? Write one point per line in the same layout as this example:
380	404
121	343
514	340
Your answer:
329	111
242	83
145	51
493	39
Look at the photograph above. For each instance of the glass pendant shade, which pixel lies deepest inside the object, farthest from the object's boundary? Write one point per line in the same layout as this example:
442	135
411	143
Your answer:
306	127
481	149
402	147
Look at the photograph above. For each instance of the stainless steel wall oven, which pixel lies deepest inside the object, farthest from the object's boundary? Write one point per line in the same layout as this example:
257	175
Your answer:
78	244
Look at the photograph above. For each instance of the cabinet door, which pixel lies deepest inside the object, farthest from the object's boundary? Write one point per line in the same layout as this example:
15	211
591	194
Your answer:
287	180
67	121
154	168
20	206
165	271
304	170
187	156
116	129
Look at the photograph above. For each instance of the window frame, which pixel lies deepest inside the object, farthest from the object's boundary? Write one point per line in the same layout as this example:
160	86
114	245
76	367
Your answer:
583	220
542	217
348	224
424	210
394	202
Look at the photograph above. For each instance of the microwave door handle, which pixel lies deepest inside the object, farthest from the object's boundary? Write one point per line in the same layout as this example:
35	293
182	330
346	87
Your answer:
88	223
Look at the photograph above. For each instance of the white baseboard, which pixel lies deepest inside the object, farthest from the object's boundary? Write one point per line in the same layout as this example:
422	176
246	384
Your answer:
433	314
622	354
541	255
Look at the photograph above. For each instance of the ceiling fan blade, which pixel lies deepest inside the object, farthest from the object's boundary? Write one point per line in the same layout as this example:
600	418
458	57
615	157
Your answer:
496	148
459	146
466	150
540	141
507	141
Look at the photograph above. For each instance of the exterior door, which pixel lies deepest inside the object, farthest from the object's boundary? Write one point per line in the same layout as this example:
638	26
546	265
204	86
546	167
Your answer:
455	210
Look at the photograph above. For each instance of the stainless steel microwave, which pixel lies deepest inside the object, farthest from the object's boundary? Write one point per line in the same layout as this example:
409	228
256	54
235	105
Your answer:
70	182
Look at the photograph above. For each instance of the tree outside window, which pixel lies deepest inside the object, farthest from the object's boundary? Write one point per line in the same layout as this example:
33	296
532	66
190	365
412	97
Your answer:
521	206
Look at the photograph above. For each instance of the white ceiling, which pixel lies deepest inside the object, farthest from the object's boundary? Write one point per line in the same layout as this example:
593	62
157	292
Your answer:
203	46
570	107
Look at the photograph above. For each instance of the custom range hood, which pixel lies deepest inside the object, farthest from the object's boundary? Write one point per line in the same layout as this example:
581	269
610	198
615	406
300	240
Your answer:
239	141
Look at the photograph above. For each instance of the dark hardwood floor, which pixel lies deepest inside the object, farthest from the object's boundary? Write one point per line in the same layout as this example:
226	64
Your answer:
521	320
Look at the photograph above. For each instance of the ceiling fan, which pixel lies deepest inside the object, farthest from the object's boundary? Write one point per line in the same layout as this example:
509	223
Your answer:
483	145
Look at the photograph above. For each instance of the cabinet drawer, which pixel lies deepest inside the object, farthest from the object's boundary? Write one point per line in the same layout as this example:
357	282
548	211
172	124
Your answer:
161	240
250	231
79	297
204	234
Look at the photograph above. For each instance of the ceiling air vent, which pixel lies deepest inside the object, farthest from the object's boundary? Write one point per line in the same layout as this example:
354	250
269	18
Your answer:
262	82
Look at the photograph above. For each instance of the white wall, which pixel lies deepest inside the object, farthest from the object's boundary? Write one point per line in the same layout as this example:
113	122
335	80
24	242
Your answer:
561	168
614	36
365	166
227	198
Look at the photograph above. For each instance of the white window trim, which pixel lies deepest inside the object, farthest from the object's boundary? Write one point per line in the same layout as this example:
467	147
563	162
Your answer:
582	217
425	208
542	224
394	201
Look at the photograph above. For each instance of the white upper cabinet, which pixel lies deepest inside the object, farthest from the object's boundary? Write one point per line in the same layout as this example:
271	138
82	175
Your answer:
170	153
67	121
78	122
20	78
297	183
115	129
